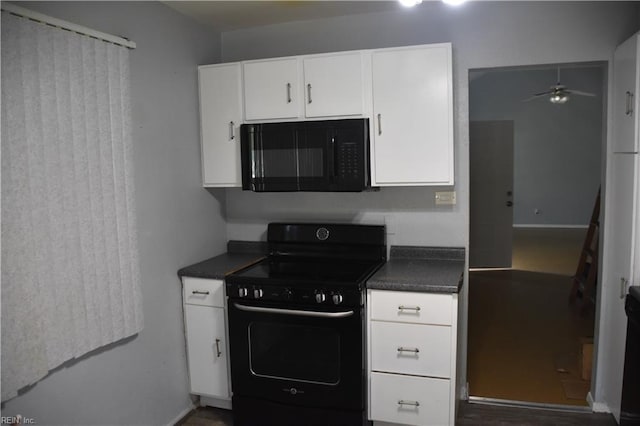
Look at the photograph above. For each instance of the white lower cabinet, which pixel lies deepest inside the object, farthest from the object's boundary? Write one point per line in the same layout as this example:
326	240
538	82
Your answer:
207	351
412	340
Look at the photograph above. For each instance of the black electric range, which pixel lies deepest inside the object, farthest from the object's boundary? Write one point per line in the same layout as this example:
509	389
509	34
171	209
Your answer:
296	326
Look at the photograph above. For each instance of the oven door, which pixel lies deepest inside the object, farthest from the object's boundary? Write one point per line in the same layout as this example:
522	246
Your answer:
297	356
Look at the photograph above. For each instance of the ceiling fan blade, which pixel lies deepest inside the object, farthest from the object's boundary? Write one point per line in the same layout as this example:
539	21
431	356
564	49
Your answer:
536	96
548	92
581	93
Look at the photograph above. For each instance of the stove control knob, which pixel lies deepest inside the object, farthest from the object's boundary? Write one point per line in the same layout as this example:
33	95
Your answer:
337	299
257	293
286	294
242	292
320	297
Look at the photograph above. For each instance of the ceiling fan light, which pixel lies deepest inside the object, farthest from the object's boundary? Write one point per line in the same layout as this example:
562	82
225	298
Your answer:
559	98
409	3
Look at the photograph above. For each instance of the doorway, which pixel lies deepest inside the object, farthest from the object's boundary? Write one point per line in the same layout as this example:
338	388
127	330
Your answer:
535	171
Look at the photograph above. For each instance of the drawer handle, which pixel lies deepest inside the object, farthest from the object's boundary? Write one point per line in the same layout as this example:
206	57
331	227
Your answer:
409	308
200	292
412	403
414	350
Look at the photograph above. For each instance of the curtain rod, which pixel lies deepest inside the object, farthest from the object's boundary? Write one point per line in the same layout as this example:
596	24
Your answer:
59	23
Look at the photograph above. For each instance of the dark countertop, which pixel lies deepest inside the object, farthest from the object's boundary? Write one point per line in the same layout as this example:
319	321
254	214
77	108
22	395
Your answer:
421	269
239	254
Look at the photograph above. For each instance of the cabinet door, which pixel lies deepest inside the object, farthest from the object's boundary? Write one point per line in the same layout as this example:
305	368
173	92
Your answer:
413	116
621	227
625	137
271	89
220	118
207	353
333	85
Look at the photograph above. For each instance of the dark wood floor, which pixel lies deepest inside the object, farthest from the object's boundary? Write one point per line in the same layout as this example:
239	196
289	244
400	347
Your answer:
525	338
468	415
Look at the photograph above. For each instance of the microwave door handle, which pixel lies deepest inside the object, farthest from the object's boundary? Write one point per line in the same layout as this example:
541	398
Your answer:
334	154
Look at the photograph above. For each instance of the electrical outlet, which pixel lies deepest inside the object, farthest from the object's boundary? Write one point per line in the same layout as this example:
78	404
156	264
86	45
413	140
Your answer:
445	198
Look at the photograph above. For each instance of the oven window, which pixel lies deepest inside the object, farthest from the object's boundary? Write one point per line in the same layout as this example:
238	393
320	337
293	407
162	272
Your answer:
294	352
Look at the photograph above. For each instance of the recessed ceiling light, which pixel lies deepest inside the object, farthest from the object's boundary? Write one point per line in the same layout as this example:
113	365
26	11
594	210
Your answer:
454	2
409	3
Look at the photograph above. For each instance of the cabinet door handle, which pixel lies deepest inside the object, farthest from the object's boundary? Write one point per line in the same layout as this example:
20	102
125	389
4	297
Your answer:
231	135
629	103
218	353
623	287
379	124
413	350
309	93
409	308
413	403
288	93
200	292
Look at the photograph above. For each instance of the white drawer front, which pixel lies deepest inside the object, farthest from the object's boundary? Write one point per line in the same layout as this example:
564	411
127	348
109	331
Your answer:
421	350
199	291
409	400
419	308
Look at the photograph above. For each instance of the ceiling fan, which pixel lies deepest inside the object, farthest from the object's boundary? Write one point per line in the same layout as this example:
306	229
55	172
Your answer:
559	93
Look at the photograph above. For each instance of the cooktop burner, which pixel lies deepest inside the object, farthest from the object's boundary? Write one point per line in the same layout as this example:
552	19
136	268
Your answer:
317	270
321	264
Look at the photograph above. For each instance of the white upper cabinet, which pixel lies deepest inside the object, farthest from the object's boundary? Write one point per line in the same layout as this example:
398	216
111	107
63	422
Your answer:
220	119
412	140
625	100
406	93
333	85
308	86
272	89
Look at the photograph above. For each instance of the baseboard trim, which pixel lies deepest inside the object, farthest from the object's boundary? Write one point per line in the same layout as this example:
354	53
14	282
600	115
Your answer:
182	415
540	225
597	407
215	402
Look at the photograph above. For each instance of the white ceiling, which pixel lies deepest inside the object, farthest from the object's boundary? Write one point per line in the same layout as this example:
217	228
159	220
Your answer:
239	14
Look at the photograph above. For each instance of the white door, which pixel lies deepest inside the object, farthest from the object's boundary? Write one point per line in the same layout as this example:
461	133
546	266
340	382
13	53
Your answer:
271	89
333	85
413	116
207	355
220	119
625	96
491	194
620	230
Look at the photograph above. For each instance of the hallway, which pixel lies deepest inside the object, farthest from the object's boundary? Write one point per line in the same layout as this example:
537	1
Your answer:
525	340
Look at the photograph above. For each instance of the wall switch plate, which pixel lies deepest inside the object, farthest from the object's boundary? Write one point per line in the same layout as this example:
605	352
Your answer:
445	198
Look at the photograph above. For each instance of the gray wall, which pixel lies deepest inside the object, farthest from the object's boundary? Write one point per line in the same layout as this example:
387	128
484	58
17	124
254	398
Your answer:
484	35
144	380
557	148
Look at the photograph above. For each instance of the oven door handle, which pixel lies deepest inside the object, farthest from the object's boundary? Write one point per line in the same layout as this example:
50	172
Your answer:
295	312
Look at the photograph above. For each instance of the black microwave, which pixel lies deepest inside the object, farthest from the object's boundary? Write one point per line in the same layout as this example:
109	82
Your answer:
328	155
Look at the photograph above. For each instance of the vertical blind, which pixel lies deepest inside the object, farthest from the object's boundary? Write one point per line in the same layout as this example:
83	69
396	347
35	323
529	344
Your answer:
70	273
